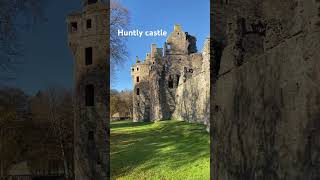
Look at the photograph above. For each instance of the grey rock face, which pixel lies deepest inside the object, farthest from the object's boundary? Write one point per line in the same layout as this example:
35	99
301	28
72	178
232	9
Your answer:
266	93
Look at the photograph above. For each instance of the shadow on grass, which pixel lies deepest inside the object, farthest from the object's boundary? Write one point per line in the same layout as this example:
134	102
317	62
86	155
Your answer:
171	144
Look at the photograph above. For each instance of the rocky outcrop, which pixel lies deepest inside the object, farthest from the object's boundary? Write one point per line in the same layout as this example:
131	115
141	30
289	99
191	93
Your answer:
265	120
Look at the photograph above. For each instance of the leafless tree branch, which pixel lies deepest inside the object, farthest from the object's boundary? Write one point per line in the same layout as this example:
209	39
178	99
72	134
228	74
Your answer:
119	19
14	16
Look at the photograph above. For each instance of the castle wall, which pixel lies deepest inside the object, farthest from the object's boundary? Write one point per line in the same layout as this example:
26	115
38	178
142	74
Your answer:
267	102
177	41
192	94
174	72
141	95
156	109
91	125
174	65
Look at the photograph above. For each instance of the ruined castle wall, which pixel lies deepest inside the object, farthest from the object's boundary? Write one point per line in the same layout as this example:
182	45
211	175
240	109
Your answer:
175	82
192	99
91	154
141	92
156	112
173	67
193	92
141	106
177	41
267	108
196	60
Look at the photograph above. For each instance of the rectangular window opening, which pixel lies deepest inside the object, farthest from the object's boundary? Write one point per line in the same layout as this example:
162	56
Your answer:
138	79
138	91
91	136
74	27
178	78
88	55
170	82
89	94
92	1
89	24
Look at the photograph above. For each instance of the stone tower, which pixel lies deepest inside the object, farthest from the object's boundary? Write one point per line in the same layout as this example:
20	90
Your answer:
87	39
140	79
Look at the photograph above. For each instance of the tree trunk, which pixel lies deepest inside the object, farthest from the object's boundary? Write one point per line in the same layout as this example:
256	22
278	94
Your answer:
65	162
57	127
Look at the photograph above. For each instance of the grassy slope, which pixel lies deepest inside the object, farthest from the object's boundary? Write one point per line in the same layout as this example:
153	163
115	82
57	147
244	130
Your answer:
161	150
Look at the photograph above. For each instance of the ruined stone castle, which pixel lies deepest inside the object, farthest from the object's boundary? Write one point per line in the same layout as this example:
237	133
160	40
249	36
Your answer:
87	38
173	81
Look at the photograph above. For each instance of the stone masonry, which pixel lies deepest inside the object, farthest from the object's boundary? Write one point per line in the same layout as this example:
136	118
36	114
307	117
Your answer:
265	121
173	81
87	39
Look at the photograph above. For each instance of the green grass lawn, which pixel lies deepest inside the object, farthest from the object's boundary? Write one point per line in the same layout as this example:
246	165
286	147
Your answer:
161	150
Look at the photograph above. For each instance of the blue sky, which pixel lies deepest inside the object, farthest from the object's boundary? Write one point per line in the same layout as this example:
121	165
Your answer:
47	60
193	16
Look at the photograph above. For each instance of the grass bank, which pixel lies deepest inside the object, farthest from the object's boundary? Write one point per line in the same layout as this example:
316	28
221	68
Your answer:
162	150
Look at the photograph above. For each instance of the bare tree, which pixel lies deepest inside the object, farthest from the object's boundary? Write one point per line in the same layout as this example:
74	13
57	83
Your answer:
121	102
12	128
128	98
60	117
14	16
52	114
114	102
119	19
